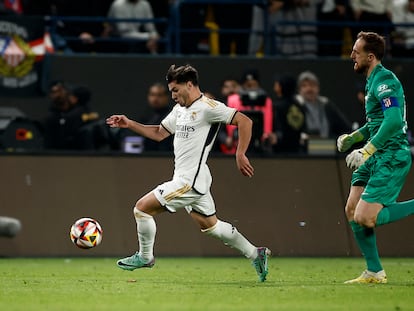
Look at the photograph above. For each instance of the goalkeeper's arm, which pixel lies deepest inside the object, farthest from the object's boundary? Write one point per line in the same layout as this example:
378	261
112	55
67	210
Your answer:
346	141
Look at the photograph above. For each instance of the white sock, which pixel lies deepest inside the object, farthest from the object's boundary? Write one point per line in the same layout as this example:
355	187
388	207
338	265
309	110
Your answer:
233	238
146	229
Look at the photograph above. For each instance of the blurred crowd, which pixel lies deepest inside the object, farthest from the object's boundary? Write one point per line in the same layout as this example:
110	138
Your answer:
289	118
296	28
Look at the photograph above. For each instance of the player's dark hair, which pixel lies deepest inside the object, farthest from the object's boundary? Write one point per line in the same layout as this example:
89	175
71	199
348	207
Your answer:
374	43
182	74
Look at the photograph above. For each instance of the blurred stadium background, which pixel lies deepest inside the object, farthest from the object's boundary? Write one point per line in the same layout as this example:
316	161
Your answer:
289	205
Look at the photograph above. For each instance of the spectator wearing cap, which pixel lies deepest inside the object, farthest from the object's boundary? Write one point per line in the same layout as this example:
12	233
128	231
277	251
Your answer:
322	118
251	98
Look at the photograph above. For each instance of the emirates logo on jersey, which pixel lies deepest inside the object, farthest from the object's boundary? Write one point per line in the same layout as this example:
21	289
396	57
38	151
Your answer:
183	130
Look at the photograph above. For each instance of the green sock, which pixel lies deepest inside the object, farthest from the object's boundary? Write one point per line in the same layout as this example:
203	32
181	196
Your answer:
394	212
367	243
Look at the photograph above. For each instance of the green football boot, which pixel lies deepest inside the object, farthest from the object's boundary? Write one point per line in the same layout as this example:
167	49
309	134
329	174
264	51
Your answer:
260	263
134	262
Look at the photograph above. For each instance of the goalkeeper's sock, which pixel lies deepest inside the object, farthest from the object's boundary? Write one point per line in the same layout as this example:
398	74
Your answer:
367	243
146	229
394	212
233	238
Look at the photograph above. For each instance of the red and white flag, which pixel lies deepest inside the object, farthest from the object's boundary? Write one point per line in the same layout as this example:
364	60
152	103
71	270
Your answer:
14	5
42	46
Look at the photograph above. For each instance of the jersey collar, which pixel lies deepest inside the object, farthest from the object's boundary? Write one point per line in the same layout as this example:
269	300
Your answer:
374	71
195	100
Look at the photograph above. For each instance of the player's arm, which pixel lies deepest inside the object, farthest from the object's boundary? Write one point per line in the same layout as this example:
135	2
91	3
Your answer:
392	122
390	125
346	141
154	132
244	125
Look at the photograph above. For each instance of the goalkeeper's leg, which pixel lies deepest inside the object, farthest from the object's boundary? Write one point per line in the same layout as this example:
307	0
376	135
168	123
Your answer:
364	236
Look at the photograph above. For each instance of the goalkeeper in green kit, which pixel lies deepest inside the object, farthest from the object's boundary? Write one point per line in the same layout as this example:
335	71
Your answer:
382	165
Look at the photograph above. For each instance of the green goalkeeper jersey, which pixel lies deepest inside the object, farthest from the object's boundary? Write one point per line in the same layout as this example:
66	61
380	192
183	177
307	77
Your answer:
386	124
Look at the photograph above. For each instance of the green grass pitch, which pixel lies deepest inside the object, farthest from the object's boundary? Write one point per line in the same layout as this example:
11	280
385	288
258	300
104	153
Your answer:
201	284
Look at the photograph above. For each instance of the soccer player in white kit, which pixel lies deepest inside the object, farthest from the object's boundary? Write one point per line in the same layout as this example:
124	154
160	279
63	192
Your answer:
194	121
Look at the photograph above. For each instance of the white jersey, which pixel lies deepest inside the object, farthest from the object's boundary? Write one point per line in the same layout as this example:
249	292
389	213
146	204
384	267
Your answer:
195	128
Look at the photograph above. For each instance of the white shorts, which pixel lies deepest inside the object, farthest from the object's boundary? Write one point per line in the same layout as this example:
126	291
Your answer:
176	194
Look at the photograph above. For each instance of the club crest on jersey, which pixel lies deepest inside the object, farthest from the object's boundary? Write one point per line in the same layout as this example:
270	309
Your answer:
193	116
389	102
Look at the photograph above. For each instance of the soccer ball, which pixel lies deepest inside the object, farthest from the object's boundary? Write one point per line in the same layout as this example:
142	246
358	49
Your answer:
86	233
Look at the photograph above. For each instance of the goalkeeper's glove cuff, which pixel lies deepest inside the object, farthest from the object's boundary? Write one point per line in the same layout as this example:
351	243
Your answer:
370	148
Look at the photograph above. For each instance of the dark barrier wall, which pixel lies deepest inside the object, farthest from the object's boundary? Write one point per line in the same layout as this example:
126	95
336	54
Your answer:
119	84
293	206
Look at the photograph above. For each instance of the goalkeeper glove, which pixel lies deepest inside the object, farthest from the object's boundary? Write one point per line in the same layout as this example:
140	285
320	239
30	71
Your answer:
345	141
357	157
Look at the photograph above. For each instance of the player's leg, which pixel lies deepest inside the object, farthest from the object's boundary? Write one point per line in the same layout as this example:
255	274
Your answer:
168	196
365	238
392	210
144	210
384	177
366	213
225	232
203	212
378	206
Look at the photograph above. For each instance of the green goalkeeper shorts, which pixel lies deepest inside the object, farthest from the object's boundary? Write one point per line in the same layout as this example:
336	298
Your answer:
383	176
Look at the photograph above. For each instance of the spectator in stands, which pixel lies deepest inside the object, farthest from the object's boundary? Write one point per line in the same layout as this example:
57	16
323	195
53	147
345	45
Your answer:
322	118
275	14
161	9
288	40
288	116
88	33
159	102
144	36
403	38
229	86
254	102
330	36
68	115
377	13
309	31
